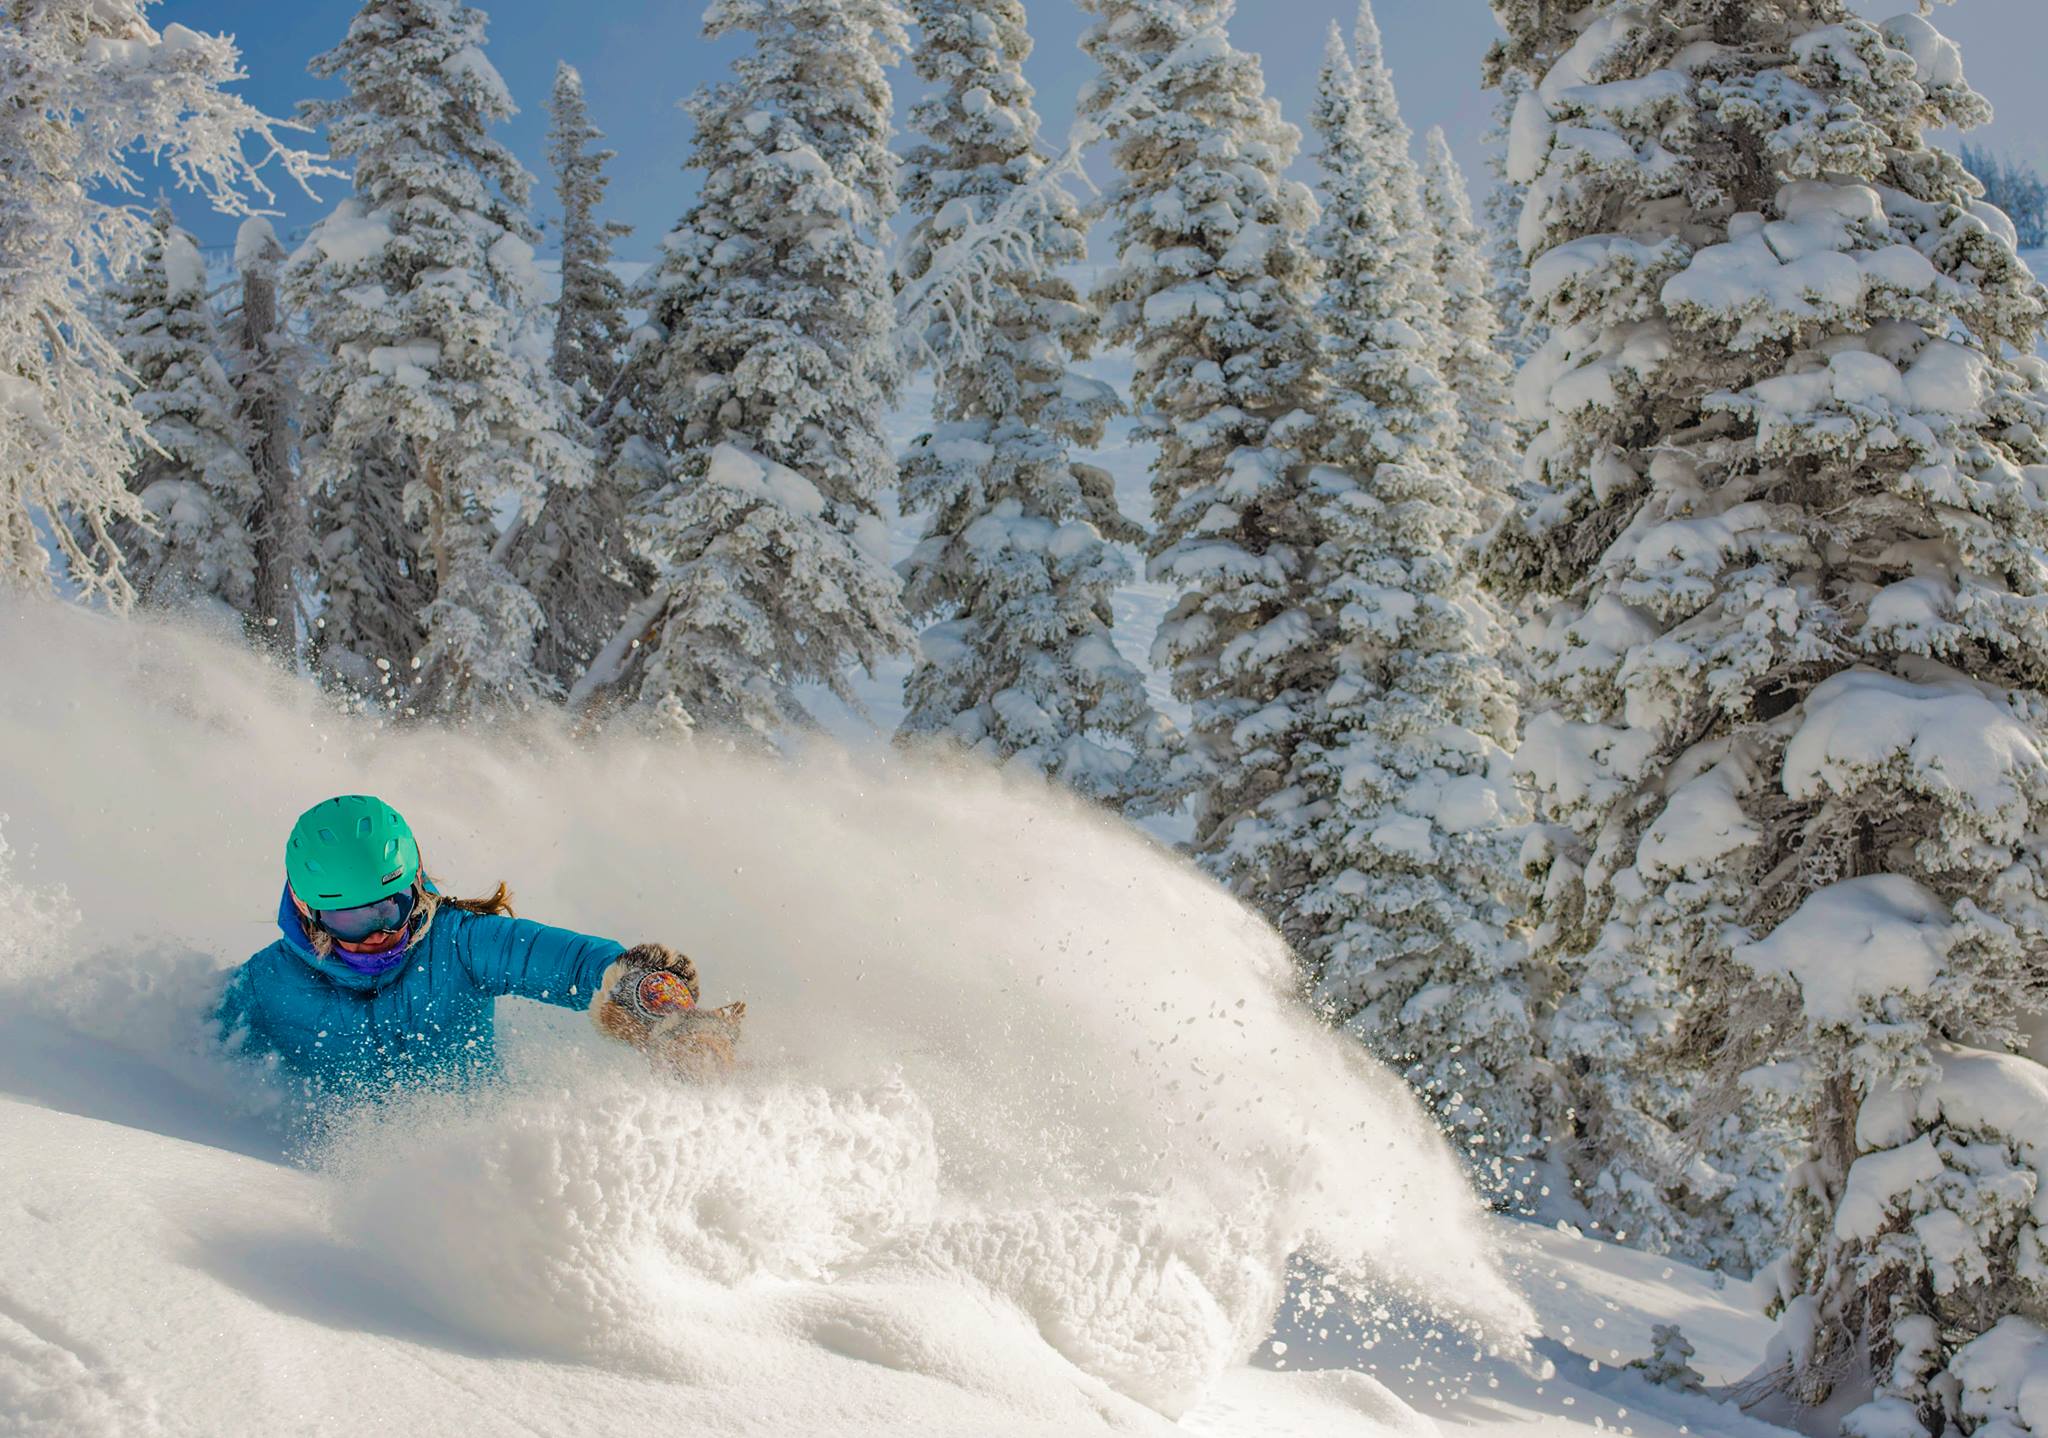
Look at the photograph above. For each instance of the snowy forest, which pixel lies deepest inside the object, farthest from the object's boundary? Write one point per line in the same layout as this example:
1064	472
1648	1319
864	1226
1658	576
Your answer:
1602	619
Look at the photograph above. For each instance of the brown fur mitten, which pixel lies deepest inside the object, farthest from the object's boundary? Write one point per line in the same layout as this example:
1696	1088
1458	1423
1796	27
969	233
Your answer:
700	1044
638	1003
622	1009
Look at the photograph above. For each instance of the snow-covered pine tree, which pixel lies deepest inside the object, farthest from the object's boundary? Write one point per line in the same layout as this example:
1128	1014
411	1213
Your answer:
1507	287
265	368
1477	369
576	559
1791	713
89	82
364	565
574	556
1387	136
1017	564
438	411
191	470
1600	735
762	393
1669	1362
1402	797
590	315
1212	286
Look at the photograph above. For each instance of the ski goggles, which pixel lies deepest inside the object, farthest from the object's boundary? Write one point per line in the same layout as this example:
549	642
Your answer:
352	926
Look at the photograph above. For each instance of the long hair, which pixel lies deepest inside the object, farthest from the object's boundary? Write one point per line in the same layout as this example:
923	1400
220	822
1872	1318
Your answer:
431	902
498	903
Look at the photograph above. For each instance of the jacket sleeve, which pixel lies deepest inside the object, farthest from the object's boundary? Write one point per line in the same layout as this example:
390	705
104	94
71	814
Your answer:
532	961
235	1021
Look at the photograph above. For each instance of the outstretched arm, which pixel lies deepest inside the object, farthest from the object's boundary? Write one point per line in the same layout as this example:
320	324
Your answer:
518	957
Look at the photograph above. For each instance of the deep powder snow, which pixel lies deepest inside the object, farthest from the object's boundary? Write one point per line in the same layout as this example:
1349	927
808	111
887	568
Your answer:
1030	1127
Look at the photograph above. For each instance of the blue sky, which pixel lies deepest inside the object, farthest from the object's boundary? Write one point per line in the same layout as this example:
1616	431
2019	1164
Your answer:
639	57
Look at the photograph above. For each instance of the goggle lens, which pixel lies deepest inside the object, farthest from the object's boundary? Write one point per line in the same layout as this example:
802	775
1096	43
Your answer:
354	925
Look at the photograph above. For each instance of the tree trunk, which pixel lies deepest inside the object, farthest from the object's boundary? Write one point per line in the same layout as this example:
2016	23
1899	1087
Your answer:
1849	1315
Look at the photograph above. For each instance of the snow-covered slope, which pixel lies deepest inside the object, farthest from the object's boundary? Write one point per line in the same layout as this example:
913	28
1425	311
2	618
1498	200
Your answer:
158	1285
1032	1129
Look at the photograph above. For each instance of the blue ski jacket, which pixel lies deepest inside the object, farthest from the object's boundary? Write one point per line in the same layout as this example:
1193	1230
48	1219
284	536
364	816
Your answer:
428	1019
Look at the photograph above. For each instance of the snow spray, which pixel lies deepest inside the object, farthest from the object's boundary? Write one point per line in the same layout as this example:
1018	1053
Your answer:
1031	1107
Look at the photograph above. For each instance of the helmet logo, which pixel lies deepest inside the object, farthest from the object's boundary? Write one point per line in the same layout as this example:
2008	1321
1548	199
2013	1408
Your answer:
392	877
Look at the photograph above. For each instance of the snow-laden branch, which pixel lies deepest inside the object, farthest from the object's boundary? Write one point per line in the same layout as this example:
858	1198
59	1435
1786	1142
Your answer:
954	289
88	87
610	663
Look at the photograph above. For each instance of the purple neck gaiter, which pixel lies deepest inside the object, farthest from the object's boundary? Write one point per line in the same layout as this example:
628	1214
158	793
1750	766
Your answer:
371	965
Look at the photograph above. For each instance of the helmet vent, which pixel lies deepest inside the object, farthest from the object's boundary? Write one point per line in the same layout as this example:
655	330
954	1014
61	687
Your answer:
363	827
327	836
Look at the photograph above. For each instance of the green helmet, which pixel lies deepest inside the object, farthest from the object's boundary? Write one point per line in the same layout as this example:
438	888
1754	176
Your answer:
349	851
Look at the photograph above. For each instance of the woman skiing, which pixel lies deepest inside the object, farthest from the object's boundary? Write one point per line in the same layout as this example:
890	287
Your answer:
380	981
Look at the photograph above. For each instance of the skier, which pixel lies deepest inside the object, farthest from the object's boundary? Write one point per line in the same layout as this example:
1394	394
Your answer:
380	980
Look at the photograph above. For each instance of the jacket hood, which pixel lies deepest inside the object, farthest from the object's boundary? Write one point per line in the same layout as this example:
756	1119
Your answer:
293	928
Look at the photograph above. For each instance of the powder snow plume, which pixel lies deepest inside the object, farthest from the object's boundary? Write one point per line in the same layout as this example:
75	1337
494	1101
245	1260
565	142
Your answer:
1031	1118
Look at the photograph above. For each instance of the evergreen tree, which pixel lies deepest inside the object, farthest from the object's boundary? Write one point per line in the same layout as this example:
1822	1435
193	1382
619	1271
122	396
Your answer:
590	316
1507	271
266	368
760	403
1403	797
437	407
1478	371
365	566
574	557
192	471
1790	715
2015	189
88	82
1414	287
1017	560
1212	286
